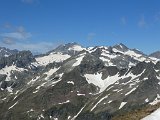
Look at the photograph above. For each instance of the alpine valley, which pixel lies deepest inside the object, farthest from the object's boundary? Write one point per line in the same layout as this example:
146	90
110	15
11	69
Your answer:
76	83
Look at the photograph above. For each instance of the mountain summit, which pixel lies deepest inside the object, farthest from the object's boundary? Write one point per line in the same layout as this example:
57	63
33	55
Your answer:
70	48
121	47
155	54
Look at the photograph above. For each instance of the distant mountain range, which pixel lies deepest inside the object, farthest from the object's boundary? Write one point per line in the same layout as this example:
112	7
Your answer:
76	83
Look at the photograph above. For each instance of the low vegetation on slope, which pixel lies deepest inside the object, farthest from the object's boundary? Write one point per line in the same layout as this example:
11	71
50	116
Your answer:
138	113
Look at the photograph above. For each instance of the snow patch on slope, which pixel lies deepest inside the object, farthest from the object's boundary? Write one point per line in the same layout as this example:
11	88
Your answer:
130	91
97	80
106	61
136	56
99	102
64	102
50	72
129	52
112	56
78	113
154	60
154	116
70	82
13	105
76	48
52	57
33	80
10	89
132	53
8	69
78	60
157	100
122	105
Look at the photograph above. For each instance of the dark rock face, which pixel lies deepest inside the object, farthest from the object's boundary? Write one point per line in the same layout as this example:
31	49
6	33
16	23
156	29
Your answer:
138	52
61	91
65	49
155	54
6	84
91	64
4	52
121	47
2	77
157	66
20	59
92	116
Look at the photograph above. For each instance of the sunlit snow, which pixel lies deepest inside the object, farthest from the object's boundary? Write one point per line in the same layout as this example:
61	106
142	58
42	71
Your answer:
153	116
97	80
52	57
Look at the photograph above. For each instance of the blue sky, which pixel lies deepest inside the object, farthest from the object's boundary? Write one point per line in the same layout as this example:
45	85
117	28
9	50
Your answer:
41	25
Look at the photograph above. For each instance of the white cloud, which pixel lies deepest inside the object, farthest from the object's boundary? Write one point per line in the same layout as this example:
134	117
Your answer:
8	41
7	25
157	17
20	29
91	36
41	47
16	35
142	23
123	20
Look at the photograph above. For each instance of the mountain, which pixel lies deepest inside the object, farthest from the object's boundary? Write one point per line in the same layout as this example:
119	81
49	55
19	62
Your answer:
72	82
155	54
70	48
4	52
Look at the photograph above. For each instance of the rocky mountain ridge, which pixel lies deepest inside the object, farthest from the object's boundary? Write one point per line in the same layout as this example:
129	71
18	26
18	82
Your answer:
4	52
74	83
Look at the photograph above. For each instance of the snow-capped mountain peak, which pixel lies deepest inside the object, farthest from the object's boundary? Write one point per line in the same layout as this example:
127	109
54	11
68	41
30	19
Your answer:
155	54
121	47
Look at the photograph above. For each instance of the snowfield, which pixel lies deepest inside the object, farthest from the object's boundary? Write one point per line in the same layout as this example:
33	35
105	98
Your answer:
76	48
8	70
52	57
78	60
154	116
97	80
